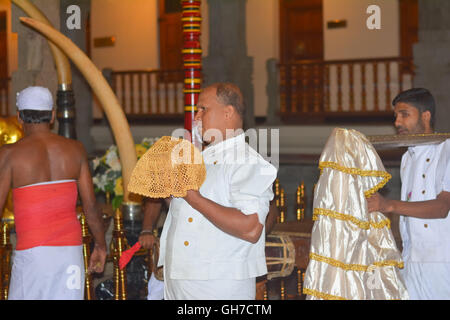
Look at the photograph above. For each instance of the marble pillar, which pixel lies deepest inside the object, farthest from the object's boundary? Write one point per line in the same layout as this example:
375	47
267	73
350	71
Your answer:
227	59
432	57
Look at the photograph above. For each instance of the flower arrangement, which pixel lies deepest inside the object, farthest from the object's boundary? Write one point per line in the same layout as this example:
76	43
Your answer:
107	175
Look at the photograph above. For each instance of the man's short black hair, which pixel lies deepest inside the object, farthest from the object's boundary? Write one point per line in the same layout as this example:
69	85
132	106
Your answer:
35	116
419	98
230	94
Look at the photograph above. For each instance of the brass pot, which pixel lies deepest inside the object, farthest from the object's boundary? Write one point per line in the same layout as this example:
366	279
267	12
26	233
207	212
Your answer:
132	211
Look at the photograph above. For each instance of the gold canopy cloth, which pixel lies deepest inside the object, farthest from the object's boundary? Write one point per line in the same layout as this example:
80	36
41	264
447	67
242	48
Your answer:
353	253
170	167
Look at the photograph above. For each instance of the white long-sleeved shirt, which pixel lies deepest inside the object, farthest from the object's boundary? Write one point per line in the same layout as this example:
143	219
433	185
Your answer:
425	173
191	247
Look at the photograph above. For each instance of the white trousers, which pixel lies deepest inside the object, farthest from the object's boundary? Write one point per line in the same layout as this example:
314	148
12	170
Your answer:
47	273
427	281
210	289
155	288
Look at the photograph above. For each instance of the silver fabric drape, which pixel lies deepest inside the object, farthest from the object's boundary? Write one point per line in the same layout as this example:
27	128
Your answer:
353	253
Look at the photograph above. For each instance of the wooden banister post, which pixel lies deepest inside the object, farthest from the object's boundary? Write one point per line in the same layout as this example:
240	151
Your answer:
88	285
6	260
120	244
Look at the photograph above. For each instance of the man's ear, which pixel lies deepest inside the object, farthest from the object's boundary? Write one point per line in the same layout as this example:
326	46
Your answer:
19	118
426	118
229	112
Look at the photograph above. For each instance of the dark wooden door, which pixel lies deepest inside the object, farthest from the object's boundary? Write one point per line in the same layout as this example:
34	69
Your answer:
3	45
409	26
301	30
4	104
301	38
170	34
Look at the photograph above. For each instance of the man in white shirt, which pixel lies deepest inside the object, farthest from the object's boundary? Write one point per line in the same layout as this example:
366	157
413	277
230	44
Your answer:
425	195
212	244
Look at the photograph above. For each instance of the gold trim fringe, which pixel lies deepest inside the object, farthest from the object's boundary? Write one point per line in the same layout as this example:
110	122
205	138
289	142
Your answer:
364	173
355	267
321	295
341	216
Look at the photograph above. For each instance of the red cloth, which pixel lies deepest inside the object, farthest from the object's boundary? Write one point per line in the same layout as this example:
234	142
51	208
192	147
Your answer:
128	254
45	215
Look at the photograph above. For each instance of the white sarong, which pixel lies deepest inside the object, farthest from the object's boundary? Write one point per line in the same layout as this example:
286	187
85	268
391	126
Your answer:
210	289
47	273
155	288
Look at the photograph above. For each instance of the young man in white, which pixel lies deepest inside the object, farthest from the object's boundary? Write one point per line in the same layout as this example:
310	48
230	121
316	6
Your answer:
425	195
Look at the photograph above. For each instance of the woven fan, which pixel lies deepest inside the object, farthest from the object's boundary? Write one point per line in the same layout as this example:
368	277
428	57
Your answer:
170	167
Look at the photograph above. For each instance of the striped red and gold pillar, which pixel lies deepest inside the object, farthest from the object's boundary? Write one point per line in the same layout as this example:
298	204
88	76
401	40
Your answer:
192	58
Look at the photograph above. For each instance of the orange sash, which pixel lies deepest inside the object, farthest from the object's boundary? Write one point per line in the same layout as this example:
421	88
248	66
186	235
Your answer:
45	215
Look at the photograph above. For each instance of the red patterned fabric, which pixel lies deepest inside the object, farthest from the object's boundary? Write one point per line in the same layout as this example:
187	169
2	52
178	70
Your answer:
128	254
45	215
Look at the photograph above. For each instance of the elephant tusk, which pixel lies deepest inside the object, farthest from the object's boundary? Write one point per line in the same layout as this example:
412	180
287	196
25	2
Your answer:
61	61
111	106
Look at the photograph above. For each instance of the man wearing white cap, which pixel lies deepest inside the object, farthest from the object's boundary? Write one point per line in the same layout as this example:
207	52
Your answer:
46	171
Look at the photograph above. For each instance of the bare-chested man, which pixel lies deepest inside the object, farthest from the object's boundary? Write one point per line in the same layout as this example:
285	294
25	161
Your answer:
46	171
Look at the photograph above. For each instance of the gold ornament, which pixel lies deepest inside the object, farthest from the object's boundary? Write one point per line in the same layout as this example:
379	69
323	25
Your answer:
10	132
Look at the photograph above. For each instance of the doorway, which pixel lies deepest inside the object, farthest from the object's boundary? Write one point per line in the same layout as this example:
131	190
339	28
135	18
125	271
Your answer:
301	30
3	45
4	81
409	26
170	34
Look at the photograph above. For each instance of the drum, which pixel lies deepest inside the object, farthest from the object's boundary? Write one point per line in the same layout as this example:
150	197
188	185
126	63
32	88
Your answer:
280	256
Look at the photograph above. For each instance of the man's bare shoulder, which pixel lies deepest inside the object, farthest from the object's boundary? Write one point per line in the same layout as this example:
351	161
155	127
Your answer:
55	145
5	153
71	147
63	142
71	142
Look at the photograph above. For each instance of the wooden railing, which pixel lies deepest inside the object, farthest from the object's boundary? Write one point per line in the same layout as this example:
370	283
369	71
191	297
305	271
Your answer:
307	89
149	92
363	87
4	97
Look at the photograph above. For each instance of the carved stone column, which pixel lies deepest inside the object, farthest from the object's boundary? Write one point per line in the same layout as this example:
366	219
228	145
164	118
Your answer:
432	58
227	59
273	92
81	90
35	62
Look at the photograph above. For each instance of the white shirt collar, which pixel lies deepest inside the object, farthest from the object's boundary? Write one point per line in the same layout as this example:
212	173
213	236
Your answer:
418	149
415	149
224	145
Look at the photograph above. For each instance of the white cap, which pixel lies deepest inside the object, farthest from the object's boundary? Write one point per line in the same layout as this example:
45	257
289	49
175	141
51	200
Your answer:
35	98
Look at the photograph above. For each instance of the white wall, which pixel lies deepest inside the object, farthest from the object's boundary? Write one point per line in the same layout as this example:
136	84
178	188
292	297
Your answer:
356	40
262	44
134	24
139	17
